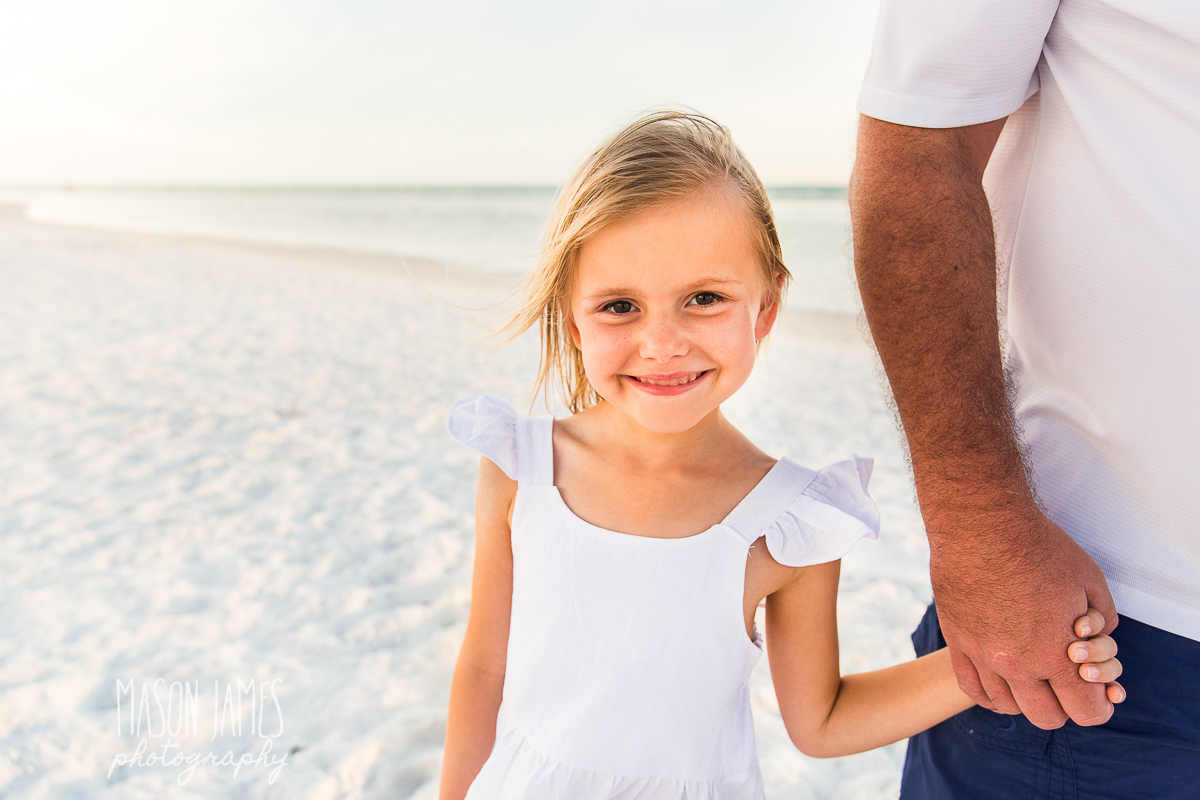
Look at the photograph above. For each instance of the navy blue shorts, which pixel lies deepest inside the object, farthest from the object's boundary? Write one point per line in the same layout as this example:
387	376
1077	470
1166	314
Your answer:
1149	749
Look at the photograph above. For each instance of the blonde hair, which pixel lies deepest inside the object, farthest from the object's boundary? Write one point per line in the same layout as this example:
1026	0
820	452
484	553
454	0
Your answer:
659	157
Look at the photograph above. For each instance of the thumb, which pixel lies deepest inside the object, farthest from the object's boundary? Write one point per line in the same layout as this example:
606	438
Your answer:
1100	598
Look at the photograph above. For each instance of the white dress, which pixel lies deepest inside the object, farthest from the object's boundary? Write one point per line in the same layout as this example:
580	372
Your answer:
628	660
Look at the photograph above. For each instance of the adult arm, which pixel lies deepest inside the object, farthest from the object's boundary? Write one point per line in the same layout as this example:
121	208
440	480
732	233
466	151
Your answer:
1007	581
475	691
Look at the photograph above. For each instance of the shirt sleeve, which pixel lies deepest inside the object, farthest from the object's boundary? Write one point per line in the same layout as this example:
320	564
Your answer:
951	63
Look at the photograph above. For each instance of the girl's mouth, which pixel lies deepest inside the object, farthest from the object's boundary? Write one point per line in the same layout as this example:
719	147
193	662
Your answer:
675	383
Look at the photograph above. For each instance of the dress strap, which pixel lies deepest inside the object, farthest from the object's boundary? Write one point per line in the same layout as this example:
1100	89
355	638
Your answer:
786	481
535	451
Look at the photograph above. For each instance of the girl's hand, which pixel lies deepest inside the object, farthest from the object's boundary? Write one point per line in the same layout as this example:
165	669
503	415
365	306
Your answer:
1096	655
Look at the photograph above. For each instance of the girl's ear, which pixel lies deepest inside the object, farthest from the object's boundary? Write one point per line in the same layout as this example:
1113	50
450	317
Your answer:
766	320
573	328
768	312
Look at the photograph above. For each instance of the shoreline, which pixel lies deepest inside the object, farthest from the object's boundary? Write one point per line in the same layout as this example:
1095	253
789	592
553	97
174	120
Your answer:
376	262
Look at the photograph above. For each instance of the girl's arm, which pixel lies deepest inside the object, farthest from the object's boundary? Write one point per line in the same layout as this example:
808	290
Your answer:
829	715
479	674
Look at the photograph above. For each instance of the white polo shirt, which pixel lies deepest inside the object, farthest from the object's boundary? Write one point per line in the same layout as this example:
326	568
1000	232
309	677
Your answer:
1095	188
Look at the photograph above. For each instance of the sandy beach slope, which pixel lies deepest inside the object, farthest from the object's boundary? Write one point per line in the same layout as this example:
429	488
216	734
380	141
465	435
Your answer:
226	467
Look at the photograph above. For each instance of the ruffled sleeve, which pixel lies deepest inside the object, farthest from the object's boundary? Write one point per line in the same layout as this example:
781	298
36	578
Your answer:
487	425
832	513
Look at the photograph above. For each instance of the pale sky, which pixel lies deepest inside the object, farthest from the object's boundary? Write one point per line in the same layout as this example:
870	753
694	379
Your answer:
399	92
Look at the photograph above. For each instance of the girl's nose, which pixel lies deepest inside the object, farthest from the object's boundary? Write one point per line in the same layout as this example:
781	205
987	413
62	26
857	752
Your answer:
662	338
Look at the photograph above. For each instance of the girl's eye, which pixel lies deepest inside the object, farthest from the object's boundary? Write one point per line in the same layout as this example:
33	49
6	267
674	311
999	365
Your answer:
705	299
619	307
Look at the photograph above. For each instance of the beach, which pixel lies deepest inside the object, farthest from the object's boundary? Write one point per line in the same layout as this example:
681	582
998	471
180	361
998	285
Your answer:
225	478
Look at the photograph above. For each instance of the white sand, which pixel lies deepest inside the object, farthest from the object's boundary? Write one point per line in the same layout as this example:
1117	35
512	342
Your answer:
224	463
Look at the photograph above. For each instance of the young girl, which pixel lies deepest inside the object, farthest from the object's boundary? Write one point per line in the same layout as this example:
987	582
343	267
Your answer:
621	552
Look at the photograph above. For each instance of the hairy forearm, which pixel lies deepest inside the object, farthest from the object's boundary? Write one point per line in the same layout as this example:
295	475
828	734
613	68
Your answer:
873	709
925	259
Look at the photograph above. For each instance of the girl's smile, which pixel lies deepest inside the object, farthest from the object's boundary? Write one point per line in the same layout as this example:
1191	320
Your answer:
667	308
666	385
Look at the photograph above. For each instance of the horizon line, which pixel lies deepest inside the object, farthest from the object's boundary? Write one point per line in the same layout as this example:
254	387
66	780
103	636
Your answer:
69	186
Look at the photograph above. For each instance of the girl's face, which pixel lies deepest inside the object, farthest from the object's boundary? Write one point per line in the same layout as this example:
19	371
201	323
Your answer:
667	308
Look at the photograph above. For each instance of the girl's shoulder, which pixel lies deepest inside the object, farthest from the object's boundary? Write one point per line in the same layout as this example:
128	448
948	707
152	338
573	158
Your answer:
809	516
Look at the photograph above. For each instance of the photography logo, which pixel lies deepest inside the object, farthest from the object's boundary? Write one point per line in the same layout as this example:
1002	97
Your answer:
184	725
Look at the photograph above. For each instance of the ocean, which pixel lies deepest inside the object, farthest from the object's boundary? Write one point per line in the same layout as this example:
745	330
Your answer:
494	231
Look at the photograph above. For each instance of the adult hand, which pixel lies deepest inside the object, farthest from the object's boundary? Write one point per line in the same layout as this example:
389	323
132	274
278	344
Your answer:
1007	597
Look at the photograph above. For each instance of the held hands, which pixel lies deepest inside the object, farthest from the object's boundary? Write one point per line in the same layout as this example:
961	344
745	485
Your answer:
1096	655
1009	586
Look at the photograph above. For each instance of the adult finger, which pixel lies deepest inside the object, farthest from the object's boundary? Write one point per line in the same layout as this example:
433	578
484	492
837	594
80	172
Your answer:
998	692
1115	692
1100	599
1085	703
1039	703
968	679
